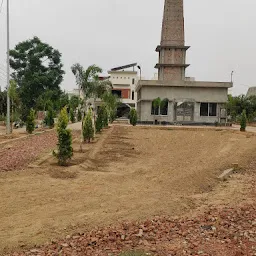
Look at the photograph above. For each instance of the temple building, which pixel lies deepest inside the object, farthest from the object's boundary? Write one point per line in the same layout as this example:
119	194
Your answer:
174	98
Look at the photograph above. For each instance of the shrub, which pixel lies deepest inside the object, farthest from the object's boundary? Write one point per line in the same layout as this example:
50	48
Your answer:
72	115
79	115
105	116
243	121
49	119
65	150
99	120
133	116
112	115
30	123
88	129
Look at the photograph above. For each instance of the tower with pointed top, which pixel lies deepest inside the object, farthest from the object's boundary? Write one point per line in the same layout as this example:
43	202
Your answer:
172	49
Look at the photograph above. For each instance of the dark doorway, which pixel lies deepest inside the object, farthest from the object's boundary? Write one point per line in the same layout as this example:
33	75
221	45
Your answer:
123	110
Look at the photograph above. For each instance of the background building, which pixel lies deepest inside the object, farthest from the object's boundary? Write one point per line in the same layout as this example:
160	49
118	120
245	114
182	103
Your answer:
251	92
124	80
182	99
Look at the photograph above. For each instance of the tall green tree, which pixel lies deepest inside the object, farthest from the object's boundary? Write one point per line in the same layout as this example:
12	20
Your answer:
243	121
133	116
64	100
74	102
37	68
88	129
30	123
65	150
111	102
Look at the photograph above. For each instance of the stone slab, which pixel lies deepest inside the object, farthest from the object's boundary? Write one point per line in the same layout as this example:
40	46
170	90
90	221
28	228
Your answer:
224	176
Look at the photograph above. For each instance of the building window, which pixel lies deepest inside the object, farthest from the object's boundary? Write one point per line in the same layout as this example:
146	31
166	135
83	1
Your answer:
154	111
133	81
204	109
212	109
160	110
118	93
208	109
164	108
132	95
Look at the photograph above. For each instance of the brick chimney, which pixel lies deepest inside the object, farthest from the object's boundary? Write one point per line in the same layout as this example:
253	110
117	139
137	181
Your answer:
172	50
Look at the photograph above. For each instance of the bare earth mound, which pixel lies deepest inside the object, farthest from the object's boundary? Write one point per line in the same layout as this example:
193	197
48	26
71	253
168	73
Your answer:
126	174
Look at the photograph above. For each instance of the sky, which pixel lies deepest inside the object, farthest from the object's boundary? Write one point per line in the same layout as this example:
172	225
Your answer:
110	33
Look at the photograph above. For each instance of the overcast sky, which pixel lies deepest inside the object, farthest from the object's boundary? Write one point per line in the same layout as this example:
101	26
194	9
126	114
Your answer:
109	33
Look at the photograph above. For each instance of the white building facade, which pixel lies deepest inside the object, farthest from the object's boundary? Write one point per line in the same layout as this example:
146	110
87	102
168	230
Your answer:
124	81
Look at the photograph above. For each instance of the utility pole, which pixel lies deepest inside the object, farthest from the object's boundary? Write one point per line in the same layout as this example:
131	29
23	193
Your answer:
8	127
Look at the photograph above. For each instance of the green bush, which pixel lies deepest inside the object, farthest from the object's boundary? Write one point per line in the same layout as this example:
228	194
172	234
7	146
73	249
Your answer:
79	115
72	116
133	116
105	116
99	120
88	129
112	115
30	123
49	119
65	150
243	121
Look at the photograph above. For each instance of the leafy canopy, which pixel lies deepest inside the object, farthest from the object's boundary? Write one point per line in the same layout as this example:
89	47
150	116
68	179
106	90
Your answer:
37	68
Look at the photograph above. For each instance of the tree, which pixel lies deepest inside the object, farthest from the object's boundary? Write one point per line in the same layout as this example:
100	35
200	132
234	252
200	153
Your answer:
49	119
111	103
88	81
133	116
49	99
64	100
243	121
30	123
74	102
79	115
99	121
105	117
72	115
14	98
237	104
37	69
65	150
88	129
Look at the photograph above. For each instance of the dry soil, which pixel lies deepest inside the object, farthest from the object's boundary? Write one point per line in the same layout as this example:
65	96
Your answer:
127	173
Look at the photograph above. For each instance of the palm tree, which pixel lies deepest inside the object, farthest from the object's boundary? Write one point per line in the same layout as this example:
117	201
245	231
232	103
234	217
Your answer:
90	84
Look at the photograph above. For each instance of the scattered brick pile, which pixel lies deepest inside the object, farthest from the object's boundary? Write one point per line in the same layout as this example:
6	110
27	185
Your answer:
228	231
18	154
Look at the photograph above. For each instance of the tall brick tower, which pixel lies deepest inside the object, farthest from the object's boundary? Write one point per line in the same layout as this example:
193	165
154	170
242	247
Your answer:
172	50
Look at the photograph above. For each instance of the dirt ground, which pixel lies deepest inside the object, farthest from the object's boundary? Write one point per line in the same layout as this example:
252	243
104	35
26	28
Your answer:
128	173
